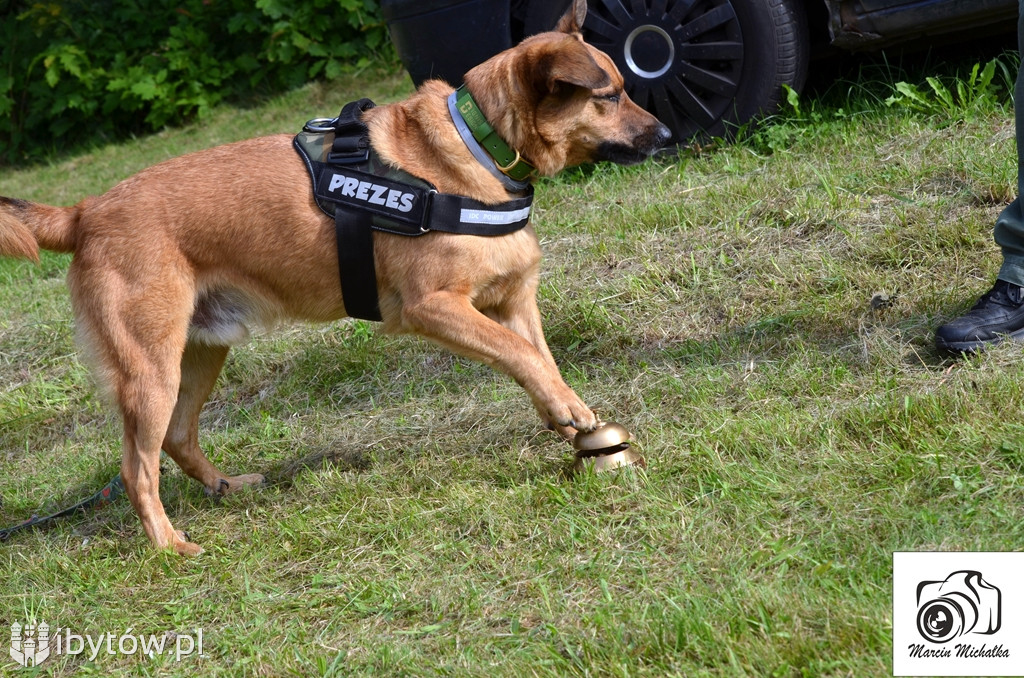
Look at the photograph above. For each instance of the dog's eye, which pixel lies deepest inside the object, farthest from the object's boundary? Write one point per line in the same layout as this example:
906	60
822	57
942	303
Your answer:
614	98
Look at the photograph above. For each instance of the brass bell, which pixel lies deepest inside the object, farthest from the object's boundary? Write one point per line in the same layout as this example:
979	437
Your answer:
605	448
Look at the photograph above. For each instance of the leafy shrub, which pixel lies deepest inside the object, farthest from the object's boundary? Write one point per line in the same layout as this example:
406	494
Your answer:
75	69
979	90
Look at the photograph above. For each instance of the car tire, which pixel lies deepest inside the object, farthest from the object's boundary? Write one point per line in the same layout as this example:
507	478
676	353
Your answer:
704	67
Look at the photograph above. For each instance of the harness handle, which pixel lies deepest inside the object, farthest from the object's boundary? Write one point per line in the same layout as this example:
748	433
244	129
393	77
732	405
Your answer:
351	135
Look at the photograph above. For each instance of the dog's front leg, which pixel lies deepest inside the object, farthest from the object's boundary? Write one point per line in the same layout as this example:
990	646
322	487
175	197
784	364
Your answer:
449	319
521	315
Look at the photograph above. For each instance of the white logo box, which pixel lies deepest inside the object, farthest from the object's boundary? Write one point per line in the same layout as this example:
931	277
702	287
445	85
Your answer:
958	613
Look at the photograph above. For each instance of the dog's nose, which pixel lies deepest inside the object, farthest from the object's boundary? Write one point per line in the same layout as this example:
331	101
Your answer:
663	133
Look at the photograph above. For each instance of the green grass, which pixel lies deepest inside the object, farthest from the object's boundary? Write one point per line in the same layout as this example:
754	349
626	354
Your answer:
418	522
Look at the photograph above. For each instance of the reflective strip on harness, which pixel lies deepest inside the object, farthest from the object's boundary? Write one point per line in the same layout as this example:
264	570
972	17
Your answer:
458	214
470	216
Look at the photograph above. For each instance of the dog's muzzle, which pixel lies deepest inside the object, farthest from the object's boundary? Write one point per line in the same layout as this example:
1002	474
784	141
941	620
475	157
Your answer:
643	146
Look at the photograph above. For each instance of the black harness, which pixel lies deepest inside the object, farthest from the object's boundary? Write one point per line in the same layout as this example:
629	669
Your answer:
363	194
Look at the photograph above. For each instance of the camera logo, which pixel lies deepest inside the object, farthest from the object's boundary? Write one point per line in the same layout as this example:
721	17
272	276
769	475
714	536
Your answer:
960	604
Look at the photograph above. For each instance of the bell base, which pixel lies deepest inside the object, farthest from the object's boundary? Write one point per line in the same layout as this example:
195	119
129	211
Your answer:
619	458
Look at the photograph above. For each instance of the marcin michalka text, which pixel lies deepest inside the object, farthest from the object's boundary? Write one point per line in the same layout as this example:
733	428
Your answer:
963	651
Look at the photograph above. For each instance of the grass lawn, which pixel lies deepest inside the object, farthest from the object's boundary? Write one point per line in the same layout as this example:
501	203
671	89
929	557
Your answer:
759	314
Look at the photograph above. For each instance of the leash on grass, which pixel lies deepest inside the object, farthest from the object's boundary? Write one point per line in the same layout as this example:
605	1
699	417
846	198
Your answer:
112	490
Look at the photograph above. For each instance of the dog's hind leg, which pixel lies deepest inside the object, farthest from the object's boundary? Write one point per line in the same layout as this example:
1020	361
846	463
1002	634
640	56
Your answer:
133	321
200	365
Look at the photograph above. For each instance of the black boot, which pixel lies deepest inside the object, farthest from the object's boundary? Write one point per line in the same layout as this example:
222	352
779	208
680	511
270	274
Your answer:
998	315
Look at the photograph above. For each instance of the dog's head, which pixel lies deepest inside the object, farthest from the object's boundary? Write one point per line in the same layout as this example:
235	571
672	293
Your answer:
562	102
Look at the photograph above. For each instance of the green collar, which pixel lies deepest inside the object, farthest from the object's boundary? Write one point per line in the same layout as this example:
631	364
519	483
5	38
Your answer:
509	161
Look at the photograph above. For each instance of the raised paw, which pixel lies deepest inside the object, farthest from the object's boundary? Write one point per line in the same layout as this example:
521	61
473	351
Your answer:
182	546
225	486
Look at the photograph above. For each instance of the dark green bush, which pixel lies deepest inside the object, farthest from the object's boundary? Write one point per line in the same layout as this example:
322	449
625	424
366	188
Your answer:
73	70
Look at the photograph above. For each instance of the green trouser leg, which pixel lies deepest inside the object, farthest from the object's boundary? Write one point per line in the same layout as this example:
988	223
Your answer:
1009	230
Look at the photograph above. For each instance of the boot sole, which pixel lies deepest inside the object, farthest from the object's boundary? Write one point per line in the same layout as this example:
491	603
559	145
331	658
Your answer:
975	346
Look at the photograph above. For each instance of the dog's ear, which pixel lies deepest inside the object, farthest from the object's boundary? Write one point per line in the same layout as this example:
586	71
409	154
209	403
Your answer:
572	21
568	62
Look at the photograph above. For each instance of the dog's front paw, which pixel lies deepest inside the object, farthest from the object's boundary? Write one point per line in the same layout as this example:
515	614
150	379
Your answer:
568	433
570	417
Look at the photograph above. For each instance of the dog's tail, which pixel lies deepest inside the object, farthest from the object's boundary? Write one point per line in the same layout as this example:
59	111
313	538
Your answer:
25	227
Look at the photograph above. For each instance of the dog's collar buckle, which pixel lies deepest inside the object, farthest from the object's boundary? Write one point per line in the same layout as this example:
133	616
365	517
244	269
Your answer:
505	159
507	168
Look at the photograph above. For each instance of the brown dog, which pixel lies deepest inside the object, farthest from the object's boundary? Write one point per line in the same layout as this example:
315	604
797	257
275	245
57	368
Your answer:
175	264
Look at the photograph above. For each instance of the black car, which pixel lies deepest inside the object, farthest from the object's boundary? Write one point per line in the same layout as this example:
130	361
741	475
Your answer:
701	66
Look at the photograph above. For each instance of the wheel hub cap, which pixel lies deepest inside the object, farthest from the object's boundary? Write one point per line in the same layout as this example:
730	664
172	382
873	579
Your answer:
649	51
682	59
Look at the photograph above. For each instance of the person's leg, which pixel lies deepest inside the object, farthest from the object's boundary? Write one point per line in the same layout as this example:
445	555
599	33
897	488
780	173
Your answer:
999	314
1009	230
